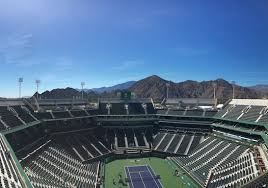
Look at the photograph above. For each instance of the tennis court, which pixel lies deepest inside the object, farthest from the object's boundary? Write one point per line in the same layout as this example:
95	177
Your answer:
142	177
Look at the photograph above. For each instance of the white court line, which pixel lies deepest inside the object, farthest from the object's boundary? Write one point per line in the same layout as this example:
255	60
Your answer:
141	176
137	171
153	177
130	178
155	174
142	180
126	173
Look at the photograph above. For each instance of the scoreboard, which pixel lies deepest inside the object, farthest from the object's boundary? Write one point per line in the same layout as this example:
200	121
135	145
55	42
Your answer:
125	95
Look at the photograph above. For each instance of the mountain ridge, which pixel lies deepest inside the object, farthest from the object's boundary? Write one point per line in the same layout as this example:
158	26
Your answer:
155	87
121	86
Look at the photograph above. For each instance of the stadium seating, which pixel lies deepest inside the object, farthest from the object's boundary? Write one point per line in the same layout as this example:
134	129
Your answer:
236	173
133	108
118	109
86	147
150	108
176	143
120	135
158	138
209	113
24	138
260	181
23	114
63	114
250	111
54	153
195	113
139	134
264	119
79	113
9	117
187	113
225	110
43	115
54	167
161	112
129	138
212	152
136	108
235	112
8	175
103	108
2	126
115	109
183	145
252	114
176	112
92	112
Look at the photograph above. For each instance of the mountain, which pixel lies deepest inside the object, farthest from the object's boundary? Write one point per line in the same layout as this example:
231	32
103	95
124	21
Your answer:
65	93
152	86
122	86
155	87
261	88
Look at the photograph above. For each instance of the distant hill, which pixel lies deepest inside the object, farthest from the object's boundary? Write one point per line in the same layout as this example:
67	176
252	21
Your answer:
261	88
155	87
122	86
65	93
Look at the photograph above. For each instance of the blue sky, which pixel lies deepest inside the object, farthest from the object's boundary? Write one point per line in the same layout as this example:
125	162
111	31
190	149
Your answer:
104	43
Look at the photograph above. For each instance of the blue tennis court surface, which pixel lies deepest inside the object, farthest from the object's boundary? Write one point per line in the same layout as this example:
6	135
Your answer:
142	177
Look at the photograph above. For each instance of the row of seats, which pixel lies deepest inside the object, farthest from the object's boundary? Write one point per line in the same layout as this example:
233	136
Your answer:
260	181
63	114
43	115
236	173
8	175
21	115
212	152
240	126
86	146
192	113
176	143
2	126
9	118
24	114
244	113
113	109
56	168
79	113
